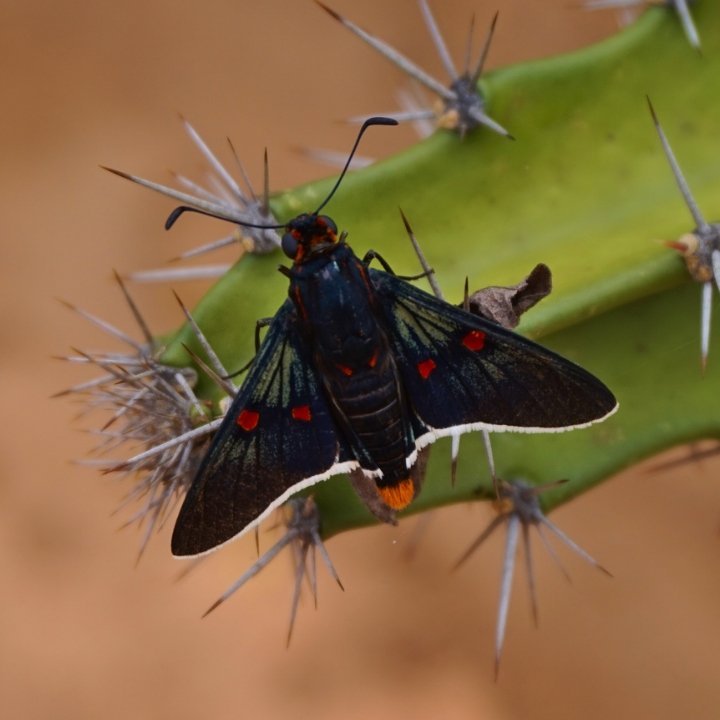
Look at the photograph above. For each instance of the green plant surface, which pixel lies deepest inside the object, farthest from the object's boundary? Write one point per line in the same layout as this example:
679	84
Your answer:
587	190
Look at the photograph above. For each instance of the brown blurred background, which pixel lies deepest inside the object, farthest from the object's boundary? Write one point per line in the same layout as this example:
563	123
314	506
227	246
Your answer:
86	634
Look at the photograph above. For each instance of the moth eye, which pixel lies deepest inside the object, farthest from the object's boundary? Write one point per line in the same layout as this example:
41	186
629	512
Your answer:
329	223
289	245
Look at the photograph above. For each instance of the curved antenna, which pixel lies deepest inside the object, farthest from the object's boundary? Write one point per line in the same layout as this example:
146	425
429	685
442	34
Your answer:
379	120
178	211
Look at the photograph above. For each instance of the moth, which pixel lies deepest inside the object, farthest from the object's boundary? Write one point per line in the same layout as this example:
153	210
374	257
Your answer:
358	372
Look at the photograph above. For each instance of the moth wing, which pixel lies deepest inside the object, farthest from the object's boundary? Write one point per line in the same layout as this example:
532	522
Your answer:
277	437
462	372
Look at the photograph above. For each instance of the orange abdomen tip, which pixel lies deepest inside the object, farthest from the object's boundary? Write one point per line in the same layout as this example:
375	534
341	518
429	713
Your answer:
398	496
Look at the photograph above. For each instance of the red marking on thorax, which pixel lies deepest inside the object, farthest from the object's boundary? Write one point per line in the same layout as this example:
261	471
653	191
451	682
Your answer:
299	302
474	340
425	367
364	275
248	419
300	247
301	412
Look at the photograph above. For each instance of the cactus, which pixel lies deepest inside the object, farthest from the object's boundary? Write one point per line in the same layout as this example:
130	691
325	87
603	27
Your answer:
587	190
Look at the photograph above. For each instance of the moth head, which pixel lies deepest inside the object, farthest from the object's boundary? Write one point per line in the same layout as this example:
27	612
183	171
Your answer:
307	234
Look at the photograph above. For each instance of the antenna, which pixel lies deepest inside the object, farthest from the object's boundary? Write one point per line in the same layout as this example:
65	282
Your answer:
379	120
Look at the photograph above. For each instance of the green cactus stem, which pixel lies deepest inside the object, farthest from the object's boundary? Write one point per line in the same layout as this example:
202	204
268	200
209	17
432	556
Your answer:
587	190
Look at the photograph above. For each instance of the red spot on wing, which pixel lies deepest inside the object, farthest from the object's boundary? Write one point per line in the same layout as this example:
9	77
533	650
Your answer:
345	370
364	275
373	360
301	412
425	367
248	419
474	340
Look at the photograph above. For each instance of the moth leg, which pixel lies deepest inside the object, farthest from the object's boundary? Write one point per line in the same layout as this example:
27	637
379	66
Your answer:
366	490
263	322
419	469
371	255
